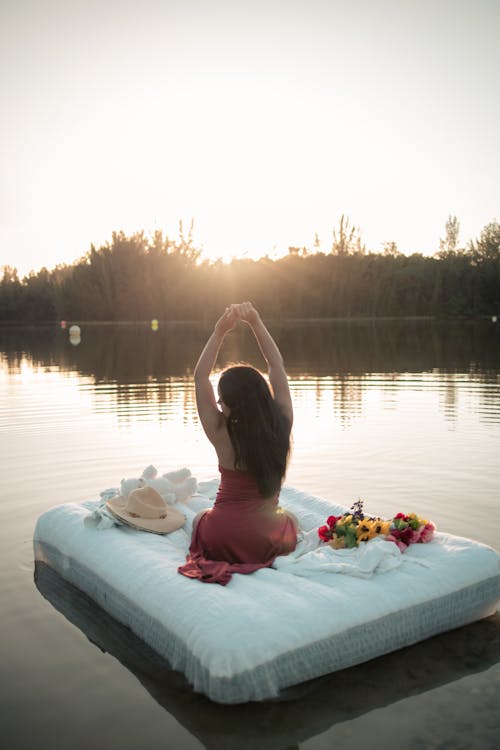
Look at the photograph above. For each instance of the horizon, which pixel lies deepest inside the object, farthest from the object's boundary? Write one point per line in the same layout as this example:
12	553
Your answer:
263	123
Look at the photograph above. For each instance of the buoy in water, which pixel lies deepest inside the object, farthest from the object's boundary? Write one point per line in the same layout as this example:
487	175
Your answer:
75	339
63	324
154	324
494	318
74	331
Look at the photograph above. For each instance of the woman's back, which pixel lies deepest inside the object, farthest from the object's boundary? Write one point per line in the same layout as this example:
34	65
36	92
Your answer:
258	431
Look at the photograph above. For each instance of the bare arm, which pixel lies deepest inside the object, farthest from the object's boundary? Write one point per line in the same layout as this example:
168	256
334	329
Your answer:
211	418
272	355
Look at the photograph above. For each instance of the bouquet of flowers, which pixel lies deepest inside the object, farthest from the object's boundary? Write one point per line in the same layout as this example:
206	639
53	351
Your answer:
349	529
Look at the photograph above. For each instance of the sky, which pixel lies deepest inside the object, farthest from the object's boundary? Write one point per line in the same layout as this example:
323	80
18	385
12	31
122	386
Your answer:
261	120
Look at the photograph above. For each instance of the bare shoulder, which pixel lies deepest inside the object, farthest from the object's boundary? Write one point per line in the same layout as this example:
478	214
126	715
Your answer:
224	447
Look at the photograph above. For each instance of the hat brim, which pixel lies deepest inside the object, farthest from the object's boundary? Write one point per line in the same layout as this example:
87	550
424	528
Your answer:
173	520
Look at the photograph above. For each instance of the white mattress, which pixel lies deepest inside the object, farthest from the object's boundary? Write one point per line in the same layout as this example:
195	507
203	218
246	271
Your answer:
279	626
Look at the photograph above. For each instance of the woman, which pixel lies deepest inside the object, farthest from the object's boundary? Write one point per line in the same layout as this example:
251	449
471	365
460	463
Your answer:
245	530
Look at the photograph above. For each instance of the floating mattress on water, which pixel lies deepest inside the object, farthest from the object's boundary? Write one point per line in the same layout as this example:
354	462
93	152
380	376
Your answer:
312	614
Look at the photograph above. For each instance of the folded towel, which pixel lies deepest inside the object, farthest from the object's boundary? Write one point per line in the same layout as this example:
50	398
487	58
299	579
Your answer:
100	518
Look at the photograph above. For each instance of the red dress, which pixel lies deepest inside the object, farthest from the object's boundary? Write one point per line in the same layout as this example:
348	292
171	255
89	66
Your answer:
241	533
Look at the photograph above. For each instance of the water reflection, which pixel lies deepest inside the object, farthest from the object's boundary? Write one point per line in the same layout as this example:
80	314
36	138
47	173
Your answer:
403	415
159	400
303	711
125	353
139	372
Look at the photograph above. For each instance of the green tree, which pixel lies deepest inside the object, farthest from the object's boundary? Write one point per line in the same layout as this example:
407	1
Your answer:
487	247
484	254
346	238
449	245
10	293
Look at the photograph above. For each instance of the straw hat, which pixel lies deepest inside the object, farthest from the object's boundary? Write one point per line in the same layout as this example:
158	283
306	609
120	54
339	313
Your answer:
145	509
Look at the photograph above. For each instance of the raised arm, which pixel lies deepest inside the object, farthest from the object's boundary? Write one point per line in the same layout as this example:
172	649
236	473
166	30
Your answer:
276	369
212	420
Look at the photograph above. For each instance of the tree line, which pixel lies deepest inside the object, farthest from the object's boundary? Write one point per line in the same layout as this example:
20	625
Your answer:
133	278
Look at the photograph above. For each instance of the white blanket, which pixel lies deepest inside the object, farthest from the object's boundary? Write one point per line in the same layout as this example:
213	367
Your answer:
375	556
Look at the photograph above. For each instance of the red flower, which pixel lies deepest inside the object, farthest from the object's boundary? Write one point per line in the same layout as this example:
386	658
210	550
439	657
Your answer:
404	535
403	516
415	536
325	533
427	532
332	520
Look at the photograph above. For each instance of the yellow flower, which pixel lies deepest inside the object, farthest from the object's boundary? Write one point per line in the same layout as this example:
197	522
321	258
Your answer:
381	526
363	538
364	531
372	527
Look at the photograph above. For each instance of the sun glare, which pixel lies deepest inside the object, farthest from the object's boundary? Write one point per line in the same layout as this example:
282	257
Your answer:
263	126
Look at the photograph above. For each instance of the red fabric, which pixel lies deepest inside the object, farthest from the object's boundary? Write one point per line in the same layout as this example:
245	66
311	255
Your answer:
242	533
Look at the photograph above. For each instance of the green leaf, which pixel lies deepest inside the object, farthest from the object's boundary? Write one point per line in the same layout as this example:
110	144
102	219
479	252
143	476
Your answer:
351	538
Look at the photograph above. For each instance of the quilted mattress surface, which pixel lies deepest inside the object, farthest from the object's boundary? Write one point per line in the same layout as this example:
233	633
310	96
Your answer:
310	614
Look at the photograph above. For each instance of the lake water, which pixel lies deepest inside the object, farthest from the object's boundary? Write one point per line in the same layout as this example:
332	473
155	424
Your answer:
405	415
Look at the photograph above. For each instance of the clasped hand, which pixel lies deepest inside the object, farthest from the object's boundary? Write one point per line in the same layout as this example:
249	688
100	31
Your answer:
243	311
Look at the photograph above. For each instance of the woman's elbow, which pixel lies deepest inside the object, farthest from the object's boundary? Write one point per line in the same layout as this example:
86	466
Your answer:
200	376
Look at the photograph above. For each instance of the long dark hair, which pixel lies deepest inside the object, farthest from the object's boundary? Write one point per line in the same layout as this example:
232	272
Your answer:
259	431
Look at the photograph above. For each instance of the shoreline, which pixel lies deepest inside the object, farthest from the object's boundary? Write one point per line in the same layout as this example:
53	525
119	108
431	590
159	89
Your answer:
270	321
